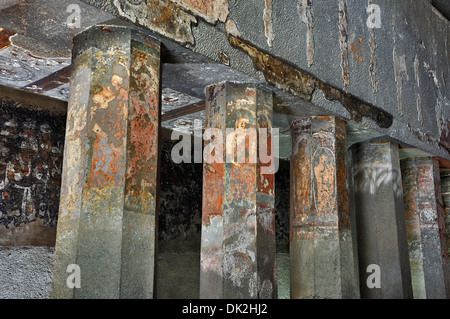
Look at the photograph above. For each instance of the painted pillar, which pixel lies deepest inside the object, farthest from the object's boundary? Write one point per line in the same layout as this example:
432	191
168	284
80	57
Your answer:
445	190
321	244
382	246
238	256
424	219
108	205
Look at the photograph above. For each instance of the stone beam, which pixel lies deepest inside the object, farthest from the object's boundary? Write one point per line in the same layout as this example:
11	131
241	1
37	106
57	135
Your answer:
367	57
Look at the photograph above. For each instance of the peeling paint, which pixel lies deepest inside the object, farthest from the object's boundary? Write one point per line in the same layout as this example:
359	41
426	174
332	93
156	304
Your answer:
426	137
111	165
300	84
4	38
399	23
432	75
357	48
268	22
373	60
425	226
419	109
324	181
280	74
355	107
343	42
72	178
210	10
143	127
416	70
305	11
231	28
224	58
164	17
238	199
316	191
320	236
212	204
399	70
107	160
170	18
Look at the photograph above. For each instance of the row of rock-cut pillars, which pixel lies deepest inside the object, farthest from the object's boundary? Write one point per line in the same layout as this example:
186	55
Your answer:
390	234
344	228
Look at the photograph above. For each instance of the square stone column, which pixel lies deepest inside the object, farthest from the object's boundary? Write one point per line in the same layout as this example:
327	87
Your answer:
321	243
109	193
380	219
425	226
238	253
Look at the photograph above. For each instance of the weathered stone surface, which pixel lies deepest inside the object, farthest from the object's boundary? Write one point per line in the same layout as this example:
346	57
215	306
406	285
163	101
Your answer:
398	66
380	221
26	272
164	17
238	252
107	222
321	242
424	225
399	70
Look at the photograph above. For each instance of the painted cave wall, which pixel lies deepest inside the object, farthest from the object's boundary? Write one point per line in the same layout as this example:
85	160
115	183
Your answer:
31	154
31	148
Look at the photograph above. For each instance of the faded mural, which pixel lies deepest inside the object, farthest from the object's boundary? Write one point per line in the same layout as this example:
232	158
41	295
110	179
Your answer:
31	146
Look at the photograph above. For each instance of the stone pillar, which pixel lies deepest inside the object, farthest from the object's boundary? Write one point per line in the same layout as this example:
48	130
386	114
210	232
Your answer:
107	219
424	218
238	253
380	220
445	191
321	244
